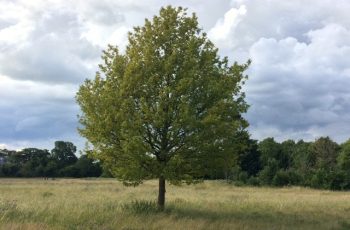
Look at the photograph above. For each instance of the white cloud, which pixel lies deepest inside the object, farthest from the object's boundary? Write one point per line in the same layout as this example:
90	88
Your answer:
14	28
225	27
15	33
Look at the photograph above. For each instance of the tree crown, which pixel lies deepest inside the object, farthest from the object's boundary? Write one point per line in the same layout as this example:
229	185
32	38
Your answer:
169	107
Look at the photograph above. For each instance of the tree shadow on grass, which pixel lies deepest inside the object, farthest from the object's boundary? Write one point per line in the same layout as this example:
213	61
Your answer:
293	220
180	210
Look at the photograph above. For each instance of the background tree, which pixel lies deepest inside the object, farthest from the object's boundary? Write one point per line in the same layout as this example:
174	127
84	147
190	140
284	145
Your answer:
168	108
64	153
87	167
250	159
302	161
344	156
269	149
34	162
325	153
288	148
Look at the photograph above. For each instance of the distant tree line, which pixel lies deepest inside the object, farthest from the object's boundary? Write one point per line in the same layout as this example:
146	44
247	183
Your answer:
61	161
320	164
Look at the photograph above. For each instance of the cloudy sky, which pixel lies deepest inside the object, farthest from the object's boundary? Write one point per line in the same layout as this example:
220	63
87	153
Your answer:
299	81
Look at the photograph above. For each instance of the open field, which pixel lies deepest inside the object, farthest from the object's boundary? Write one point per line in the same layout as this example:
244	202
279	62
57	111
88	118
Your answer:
107	204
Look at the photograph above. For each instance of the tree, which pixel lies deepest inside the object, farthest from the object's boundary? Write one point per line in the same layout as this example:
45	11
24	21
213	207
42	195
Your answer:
303	161
343	163
249	159
33	161
344	156
288	149
87	167
269	149
63	153
230	164
325	153
168	108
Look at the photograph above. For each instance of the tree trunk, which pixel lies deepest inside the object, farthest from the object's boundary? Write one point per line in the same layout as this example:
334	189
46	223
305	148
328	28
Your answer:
161	194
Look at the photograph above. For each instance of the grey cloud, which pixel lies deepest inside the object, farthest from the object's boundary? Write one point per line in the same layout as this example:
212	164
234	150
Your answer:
32	111
299	89
38	120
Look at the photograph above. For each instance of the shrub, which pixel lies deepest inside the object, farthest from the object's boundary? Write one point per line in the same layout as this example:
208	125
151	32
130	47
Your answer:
281	178
339	180
243	176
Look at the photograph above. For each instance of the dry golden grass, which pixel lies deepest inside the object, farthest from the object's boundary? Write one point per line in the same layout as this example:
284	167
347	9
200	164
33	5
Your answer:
107	204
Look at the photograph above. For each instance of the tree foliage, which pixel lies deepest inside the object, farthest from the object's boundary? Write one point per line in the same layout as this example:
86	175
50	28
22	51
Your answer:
60	162
320	164
325	152
64	153
167	107
344	156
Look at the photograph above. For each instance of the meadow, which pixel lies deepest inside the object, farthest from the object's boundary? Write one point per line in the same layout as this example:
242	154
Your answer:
107	204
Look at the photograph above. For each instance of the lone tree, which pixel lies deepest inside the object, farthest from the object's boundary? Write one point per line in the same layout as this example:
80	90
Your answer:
169	108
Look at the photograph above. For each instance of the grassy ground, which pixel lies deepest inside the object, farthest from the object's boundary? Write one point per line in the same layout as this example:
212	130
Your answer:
106	204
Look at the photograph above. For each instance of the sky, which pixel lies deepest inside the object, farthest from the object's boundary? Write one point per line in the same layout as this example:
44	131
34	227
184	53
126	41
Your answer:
299	79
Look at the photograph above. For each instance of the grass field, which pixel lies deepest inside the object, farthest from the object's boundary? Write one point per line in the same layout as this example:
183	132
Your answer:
107	204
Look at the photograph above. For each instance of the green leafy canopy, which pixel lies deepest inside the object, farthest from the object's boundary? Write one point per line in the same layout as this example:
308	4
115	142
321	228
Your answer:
169	107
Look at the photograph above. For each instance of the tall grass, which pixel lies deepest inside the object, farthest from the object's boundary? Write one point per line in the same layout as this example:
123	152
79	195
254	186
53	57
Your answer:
107	204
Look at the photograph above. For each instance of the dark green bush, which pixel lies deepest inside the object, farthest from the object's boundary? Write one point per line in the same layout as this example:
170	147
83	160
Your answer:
339	180
243	176
281	179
